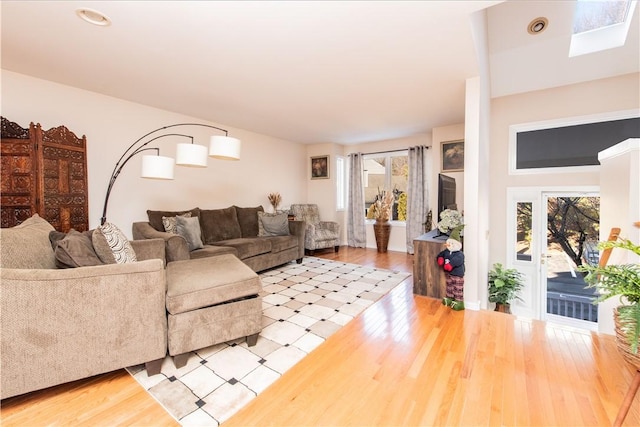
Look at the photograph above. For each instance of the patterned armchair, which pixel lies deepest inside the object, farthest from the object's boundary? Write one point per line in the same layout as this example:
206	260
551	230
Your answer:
318	234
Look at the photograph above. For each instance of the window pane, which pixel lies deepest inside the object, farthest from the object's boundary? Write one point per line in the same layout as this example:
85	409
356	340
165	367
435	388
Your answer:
399	178
523	233
374	178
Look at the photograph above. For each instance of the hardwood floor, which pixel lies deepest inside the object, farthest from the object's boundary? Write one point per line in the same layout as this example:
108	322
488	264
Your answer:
406	361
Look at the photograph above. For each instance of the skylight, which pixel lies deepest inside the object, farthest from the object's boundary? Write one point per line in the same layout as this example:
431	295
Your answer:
600	25
591	15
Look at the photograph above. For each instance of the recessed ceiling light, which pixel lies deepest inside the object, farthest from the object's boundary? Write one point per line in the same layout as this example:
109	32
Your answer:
93	17
538	25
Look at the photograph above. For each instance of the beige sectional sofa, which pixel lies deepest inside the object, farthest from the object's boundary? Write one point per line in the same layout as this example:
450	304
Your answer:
60	325
233	230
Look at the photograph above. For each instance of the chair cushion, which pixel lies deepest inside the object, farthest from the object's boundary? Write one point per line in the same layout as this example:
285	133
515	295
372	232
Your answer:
219	224
306	212
322	234
27	245
198	283
248	220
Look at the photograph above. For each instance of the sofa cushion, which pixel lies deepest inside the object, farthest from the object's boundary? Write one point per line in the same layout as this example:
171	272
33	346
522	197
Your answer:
219	224
27	245
120	246
194	284
189	228
210	250
248	247
248	219
155	217
282	243
273	224
74	249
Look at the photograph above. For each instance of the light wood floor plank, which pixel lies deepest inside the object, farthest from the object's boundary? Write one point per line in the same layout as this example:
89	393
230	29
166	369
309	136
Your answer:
407	361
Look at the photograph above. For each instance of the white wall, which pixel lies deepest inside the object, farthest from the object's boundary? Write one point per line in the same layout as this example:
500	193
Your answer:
440	135
619	207
267	164
600	96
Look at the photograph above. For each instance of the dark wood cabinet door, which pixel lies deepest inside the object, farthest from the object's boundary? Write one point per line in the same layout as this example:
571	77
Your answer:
64	179
18	182
44	172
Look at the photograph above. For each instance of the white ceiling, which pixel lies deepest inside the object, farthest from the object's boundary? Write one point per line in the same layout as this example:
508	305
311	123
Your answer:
310	72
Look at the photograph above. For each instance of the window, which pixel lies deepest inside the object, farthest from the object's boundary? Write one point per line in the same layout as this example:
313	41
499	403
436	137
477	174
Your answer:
600	25
570	144
387	171
341	184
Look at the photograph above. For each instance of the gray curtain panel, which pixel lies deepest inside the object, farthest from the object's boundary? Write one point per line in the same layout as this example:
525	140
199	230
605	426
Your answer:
356	232
417	194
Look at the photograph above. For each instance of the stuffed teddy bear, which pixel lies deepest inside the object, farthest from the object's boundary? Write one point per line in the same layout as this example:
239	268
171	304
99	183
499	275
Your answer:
452	262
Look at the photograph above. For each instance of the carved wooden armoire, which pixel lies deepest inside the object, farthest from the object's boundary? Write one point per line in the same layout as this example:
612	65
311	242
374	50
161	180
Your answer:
43	172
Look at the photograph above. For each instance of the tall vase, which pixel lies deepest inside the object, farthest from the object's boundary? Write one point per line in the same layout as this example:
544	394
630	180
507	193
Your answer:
382	230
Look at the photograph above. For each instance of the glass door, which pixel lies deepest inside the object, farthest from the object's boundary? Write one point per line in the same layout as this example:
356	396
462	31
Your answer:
571	238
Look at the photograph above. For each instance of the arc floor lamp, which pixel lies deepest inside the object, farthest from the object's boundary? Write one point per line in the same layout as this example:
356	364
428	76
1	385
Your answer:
187	154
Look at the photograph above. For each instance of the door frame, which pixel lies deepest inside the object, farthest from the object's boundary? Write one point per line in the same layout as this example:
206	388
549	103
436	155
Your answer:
534	274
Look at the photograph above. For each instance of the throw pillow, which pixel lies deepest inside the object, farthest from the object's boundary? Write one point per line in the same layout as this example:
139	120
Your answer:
55	237
75	250
120	246
219	224
155	217
189	228
169	222
102	248
27	245
273	224
248	220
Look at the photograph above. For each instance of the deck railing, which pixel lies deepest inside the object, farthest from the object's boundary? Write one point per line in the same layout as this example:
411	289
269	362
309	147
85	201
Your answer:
574	306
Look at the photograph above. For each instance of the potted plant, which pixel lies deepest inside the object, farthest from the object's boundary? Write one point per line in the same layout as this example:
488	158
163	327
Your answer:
504	286
623	281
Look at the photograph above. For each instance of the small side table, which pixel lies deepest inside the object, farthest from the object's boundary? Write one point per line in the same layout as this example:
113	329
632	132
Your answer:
428	277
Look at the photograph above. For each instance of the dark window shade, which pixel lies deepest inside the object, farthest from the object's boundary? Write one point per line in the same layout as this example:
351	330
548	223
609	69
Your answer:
577	145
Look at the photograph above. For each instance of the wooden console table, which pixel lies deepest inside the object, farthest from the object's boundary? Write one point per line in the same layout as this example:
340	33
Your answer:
428	277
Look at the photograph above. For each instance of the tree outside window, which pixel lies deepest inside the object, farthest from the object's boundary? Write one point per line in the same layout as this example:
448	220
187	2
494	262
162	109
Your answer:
387	171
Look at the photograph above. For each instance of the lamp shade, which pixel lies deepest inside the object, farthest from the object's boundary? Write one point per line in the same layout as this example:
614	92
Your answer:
191	155
224	147
157	167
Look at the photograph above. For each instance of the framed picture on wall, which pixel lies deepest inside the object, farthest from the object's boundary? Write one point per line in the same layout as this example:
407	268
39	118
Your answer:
452	156
320	167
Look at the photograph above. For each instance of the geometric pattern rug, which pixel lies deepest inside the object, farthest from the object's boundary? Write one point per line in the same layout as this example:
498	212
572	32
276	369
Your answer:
302	305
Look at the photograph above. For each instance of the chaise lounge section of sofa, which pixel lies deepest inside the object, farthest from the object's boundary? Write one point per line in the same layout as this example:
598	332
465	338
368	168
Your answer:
233	230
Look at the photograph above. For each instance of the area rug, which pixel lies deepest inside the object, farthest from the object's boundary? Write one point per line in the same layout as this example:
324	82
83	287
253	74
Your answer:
303	304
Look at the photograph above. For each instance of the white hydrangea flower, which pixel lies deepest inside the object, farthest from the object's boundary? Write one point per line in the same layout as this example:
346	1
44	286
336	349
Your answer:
449	219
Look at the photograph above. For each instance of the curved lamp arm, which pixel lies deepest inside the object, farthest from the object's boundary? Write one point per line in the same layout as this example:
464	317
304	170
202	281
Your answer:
138	147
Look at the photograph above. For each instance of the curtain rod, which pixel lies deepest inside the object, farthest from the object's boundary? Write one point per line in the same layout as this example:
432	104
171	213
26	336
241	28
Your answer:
392	151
